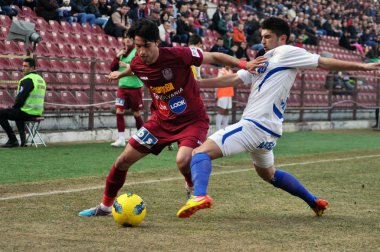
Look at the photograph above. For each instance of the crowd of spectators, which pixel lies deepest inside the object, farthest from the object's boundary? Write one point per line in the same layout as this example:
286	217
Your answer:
354	22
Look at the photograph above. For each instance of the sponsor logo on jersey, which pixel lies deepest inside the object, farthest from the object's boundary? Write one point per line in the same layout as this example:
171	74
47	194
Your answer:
162	89
194	52
177	104
163	107
262	68
167	73
144	78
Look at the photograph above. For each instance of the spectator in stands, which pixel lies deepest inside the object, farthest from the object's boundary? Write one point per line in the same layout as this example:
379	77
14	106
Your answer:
204	19
166	34
47	9
118	23
65	14
222	25
29	103
79	10
238	34
164	16
7	10
340	83
344	41
228	41
104	8
224	100
250	26
93	8
129	92
116	5
242	51
139	13
218	15
218	47
155	17
196	24
184	31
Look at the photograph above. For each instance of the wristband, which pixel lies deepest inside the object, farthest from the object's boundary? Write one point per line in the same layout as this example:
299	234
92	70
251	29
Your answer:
242	64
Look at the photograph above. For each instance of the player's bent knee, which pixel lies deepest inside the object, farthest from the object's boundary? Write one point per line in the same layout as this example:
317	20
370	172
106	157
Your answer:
265	173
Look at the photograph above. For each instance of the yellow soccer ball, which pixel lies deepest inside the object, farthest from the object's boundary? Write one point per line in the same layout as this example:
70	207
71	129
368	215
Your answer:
129	210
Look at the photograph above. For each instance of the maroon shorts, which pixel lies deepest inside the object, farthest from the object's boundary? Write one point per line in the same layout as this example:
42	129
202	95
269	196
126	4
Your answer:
153	137
129	98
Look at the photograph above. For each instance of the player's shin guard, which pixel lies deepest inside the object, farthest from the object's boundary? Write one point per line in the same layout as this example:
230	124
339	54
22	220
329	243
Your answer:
200	170
289	183
115	180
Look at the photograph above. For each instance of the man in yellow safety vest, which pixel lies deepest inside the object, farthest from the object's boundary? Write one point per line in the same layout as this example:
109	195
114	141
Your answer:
29	103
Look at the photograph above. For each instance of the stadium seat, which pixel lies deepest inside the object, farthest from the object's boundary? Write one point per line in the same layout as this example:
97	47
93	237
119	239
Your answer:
42	25
69	99
28	12
84	67
51	100
5	21
13	48
63	78
6	100
54	50
71	39
88	51
56	27
76	28
49	78
58	66
100	53
3	33
6	64
41	50
44	65
102	68
66	51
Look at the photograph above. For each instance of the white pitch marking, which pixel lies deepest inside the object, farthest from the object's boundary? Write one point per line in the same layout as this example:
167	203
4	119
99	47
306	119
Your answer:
151	181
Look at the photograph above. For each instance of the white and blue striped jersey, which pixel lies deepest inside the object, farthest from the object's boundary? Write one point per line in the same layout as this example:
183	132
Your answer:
271	87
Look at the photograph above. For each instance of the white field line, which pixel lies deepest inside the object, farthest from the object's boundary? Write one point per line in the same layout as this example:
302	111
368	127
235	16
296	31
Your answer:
151	181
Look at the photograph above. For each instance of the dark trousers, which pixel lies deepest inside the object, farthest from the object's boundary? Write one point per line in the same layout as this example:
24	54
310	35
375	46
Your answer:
19	117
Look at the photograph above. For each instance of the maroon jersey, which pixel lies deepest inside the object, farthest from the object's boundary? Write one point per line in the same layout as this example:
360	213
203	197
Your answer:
175	94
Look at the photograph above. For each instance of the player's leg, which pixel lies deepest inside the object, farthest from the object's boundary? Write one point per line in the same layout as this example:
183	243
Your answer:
200	170
114	181
120	122
135	103
264	165
183	160
222	143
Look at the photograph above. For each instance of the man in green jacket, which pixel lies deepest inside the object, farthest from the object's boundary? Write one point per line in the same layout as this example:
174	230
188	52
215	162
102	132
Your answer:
29	103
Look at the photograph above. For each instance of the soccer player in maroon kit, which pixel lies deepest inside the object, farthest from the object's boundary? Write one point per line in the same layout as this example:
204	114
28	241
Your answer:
178	112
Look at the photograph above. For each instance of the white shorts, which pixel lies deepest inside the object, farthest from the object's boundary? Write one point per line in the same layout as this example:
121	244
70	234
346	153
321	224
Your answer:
246	136
224	102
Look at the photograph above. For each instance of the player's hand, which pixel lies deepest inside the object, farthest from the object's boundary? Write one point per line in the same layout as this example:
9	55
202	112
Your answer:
256	63
123	64
120	52
113	75
371	66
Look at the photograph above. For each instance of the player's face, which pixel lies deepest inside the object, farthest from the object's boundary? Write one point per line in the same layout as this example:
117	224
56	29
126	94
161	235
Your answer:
128	42
147	50
270	40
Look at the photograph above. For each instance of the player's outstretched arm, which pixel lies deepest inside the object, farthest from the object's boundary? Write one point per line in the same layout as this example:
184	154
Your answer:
340	65
227	60
117	74
222	81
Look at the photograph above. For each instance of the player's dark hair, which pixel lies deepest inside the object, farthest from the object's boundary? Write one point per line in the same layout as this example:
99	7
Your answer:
145	29
277	25
30	61
195	40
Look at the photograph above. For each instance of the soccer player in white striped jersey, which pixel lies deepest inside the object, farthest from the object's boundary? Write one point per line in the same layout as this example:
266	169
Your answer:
261	123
